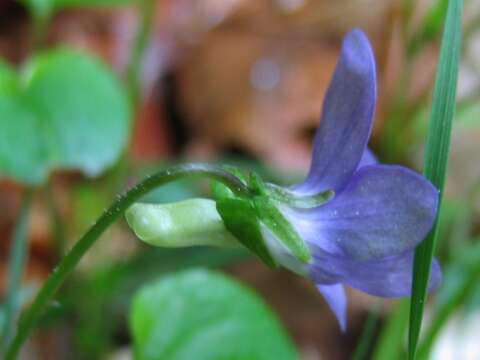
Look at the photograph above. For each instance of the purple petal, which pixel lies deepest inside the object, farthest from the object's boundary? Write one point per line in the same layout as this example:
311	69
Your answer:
368	158
346	118
385	210
388	277
337	301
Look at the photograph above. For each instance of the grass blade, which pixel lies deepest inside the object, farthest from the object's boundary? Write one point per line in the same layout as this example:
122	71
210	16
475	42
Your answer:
436	158
368	334
390	343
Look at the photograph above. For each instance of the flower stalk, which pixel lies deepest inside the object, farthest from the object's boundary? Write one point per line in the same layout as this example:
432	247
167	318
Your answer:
18	256
122	203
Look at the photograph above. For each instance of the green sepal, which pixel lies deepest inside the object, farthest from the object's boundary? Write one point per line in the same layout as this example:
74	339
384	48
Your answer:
240	218
266	206
269	214
286	196
243	218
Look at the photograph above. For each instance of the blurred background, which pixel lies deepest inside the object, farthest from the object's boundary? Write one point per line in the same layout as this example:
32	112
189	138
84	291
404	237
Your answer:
241	82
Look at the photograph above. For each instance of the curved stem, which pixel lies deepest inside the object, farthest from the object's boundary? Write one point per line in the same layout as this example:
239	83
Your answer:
123	202
16	267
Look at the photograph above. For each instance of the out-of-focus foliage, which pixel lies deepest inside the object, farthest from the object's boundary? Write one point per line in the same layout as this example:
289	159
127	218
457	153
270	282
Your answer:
431	26
25	294
44	8
99	300
69	112
461	276
206	314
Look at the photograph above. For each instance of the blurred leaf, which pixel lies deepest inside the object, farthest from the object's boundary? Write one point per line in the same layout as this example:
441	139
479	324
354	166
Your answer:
25	295
430	27
436	158
84	105
19	123
99	300
468	115
8	77
16	266
60	4
69	112
460	281
45	8
24	155
40	8
205	315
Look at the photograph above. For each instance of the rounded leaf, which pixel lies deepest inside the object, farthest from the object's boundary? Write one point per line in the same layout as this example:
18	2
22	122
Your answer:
199	314
83	105
23	151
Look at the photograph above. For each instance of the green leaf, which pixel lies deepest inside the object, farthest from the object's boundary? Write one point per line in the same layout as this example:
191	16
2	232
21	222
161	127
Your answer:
101	298
205	315
84	105
436	158
60	4
45	8
8	78
69	111
40	8
26	161
240	218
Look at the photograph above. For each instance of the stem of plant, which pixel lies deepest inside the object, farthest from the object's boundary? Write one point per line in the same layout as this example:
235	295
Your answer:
59	236
139	45
122	203
18	255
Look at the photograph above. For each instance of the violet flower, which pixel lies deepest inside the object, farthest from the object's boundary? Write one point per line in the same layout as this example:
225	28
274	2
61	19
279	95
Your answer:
351	222
365	235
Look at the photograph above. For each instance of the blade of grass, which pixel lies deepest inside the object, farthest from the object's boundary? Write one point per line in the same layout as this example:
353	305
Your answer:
391	339
436	158
368	333
16	266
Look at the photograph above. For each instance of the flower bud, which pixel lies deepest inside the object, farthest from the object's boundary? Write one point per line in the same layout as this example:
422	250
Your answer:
185	223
